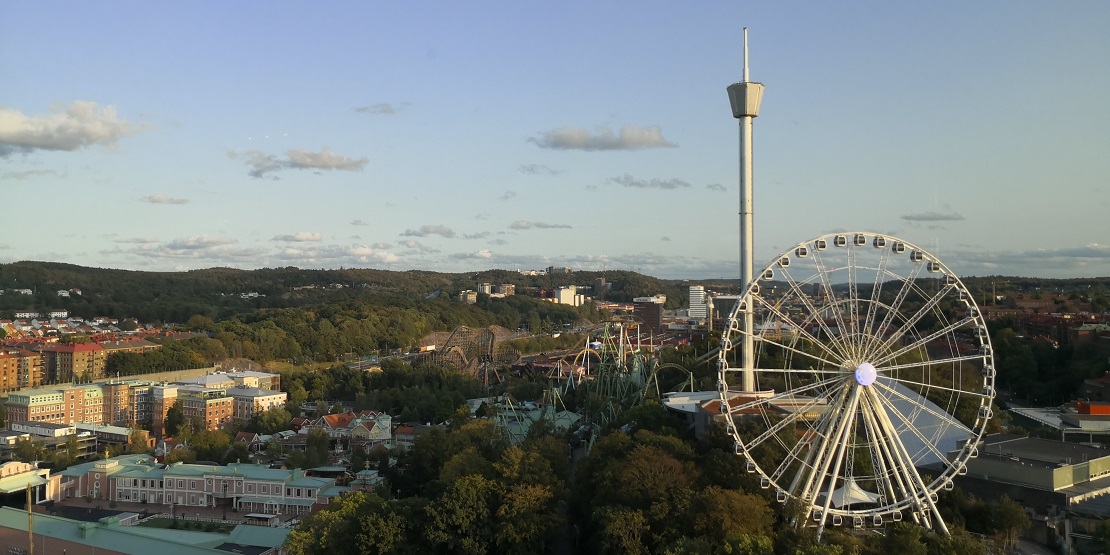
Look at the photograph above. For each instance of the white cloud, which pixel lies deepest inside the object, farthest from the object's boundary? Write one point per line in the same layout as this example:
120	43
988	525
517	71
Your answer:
716	187
630	137
381	245
309	256
417	245
538	169
65	128
163	199
299	159
300	237
383	108
358	222
629	181
484	254
426	230
508	195
933	217
19	176
525	224
324	160
479	235
199	242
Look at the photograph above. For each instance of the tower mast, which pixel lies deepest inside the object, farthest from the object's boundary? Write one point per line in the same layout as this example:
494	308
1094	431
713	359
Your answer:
745	98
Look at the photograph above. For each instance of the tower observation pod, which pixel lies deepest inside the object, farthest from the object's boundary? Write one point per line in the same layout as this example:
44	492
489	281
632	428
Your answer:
745	98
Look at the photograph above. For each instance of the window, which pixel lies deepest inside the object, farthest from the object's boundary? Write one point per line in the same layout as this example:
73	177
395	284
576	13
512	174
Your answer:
181	484
250	488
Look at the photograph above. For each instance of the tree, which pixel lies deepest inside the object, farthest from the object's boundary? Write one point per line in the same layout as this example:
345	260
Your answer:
137	441
28	450
175	419
270	421
1009	518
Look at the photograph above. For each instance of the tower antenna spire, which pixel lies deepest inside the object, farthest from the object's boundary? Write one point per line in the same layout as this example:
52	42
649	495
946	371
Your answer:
746	79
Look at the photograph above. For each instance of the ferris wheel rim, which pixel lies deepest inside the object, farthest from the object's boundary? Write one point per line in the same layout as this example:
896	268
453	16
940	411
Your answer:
882	405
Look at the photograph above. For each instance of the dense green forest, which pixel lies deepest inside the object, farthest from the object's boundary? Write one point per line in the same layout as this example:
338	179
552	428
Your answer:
218	293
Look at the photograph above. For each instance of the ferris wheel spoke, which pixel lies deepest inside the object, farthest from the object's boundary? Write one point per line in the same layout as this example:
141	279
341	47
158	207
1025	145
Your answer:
811	356
792	418
881	453
819	445
912	384
925	340
928	442
896	306
934	362
876	291
910	322
828	384
853	302
918	405
847	423
795	288
800	330
833	305
901	458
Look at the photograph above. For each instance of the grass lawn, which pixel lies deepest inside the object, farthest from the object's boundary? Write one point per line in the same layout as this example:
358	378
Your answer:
282	366
196	526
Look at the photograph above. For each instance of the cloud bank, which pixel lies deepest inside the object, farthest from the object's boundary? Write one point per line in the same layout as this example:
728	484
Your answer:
163	199
933	217
297	159
426	230
382	108
629	181
630	137
300	237
525	224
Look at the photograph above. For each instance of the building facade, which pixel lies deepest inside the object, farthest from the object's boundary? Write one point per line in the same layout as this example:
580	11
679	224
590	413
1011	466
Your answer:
246	487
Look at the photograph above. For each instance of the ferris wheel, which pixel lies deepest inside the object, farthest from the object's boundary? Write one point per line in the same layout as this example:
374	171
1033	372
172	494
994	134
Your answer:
874	377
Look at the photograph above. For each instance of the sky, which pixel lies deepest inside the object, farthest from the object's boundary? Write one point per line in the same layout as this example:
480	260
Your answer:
464	136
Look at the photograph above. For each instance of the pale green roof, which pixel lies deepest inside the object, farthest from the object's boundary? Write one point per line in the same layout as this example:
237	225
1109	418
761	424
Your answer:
124	539
263	536
145	466
19	482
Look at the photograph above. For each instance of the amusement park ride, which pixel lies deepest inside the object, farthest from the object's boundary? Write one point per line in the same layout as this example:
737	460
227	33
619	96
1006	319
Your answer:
850	363
863	358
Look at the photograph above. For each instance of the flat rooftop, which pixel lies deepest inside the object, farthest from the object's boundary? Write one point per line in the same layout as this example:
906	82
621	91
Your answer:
1035	449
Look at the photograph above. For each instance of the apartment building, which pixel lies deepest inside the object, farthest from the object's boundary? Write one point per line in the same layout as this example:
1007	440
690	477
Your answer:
66	362
249	401
19	369
64	405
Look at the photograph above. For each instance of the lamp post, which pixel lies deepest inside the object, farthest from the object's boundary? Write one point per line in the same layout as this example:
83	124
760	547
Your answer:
225	499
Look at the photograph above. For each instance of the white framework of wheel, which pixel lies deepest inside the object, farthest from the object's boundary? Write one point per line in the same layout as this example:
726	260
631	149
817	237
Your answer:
871	360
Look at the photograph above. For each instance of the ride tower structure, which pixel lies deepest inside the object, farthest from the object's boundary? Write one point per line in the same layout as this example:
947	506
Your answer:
746	98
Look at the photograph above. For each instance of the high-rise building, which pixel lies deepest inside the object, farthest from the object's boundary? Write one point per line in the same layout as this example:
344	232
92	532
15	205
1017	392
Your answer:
697	302
649	310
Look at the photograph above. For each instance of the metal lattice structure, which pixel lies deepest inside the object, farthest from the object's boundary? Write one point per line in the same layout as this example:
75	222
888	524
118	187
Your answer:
870	361
476	352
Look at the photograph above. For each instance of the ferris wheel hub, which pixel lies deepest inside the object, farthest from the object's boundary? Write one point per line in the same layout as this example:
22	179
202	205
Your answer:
866	373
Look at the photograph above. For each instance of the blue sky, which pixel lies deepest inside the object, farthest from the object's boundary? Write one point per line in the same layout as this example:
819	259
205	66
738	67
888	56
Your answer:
456	136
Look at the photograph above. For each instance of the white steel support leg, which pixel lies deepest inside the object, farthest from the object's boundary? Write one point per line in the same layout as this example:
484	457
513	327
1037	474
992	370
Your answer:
914	476
841	445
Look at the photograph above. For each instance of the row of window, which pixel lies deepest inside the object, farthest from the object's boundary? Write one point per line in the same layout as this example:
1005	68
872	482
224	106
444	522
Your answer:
263	489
